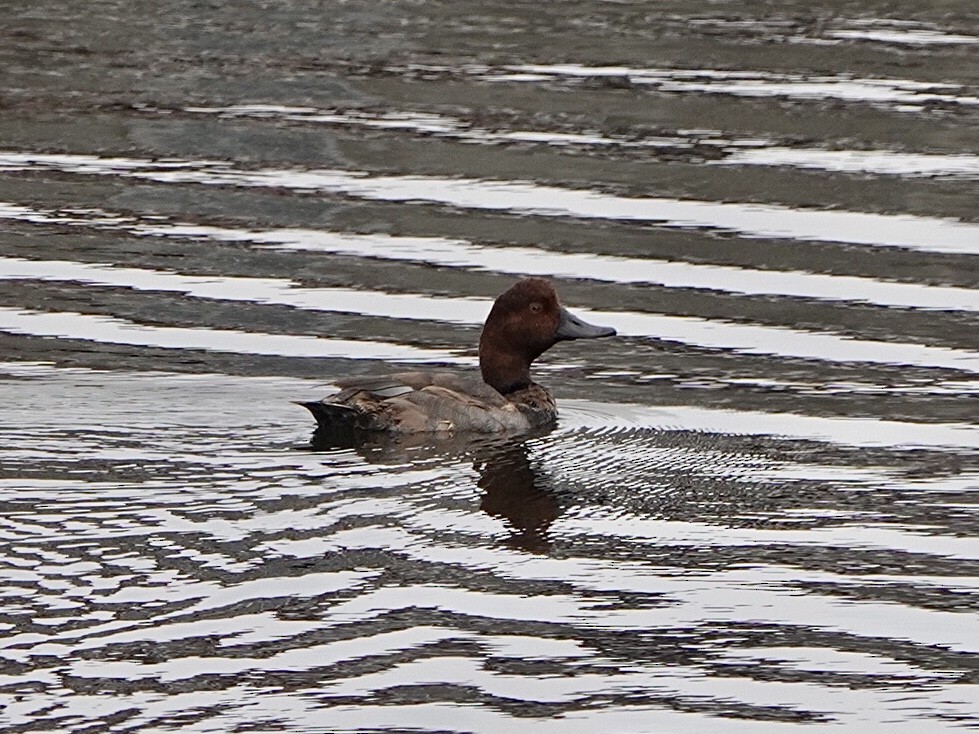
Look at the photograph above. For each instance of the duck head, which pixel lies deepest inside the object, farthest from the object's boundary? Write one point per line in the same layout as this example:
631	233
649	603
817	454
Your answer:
524	323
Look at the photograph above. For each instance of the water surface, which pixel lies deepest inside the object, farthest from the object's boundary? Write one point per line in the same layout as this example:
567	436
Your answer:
757	511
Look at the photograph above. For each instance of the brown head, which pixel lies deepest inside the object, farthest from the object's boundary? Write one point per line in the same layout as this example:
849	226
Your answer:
524	323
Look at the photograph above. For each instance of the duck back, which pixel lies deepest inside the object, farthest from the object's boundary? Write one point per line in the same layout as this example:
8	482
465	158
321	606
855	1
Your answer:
428	402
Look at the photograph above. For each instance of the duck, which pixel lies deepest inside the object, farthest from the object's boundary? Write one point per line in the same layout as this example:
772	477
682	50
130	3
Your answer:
524	322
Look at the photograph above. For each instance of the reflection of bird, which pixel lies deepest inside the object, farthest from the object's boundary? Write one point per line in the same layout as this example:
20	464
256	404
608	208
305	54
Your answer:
515	491
525	321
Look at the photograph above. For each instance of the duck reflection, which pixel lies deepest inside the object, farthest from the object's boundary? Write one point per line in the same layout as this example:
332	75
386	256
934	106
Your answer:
518	492
514	487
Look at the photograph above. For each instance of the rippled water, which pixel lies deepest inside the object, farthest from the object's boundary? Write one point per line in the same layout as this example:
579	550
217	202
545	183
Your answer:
758	510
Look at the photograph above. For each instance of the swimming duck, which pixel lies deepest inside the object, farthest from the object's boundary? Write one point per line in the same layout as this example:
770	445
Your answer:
524	322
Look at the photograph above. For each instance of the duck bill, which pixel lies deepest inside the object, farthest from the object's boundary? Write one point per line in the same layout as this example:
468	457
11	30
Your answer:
571	327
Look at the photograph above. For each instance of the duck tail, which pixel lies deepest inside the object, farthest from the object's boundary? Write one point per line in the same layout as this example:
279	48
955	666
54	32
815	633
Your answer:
333	417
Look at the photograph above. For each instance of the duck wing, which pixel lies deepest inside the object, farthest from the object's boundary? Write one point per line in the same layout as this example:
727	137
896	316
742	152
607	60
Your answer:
383	387
415	402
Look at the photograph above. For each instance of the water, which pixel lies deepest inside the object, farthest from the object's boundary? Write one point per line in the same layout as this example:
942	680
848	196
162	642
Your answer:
758	510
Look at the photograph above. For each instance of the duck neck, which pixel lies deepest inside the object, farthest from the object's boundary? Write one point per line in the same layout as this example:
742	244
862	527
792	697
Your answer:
503	371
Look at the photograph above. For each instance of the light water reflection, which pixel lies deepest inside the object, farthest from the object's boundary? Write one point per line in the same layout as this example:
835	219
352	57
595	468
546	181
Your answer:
524	197
710	146
714	333
108	330
517	260
906	94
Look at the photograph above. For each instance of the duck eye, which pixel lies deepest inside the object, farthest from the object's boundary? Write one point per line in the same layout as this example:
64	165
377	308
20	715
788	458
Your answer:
536	307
